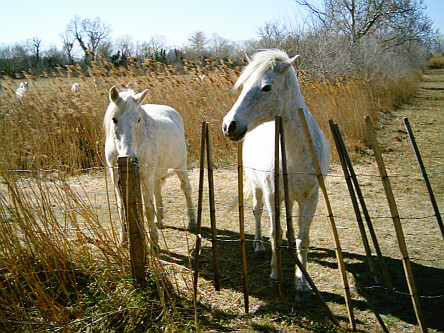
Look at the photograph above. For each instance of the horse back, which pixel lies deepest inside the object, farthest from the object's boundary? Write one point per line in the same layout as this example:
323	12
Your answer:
165	129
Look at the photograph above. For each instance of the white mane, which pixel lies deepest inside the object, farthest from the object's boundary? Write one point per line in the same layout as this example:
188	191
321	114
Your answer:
262	61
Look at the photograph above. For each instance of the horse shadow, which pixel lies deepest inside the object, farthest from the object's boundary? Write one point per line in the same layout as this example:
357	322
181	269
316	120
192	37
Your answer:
429	282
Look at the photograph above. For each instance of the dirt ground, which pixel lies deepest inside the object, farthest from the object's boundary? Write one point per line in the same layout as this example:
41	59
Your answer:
224	310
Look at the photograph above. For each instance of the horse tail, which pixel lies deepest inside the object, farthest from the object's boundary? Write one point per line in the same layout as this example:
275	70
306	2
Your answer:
234	203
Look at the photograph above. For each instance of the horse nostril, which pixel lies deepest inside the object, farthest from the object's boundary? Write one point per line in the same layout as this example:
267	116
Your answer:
224	127
232	126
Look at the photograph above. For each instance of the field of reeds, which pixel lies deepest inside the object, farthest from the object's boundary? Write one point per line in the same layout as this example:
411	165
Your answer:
53	128
61	266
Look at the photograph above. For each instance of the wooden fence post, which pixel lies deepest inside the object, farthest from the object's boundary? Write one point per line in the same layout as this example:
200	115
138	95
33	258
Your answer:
333	229
129	184
397	223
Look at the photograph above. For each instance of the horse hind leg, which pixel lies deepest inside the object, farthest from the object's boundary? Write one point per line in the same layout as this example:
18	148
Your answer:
259	249
306	211
186	188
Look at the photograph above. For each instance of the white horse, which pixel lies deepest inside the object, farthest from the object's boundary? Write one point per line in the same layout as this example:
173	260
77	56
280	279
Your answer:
270	89
21	90
152	135
75	88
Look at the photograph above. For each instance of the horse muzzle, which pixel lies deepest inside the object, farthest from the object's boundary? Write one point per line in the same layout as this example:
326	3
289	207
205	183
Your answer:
233	131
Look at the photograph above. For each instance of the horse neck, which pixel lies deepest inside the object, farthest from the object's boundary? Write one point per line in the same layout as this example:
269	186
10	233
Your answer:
289	112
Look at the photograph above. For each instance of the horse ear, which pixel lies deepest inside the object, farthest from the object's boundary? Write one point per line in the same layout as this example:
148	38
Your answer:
141	97
293	60
289	63
113	94
249	59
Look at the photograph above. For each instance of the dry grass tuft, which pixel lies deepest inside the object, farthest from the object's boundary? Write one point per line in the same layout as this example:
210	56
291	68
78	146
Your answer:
436	61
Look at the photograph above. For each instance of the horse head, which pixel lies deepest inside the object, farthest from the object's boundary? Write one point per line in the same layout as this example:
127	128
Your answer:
264	93
123	120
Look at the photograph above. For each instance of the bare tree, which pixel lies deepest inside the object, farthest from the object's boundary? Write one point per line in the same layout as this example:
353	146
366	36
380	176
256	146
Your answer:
95	31
221	48
68	45
198	43
272	35
89	33
395	21
36	42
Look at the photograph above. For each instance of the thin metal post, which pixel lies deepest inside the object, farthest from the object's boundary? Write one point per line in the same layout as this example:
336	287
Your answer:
290	223
334	130
424	174
366	214
277	213
199	211
240	193
212	210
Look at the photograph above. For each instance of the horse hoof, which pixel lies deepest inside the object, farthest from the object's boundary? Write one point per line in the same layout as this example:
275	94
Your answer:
303	296
192	226
155	247
273	284
259	254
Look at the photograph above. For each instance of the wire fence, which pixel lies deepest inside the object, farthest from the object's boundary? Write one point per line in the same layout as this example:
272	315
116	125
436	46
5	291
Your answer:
223	205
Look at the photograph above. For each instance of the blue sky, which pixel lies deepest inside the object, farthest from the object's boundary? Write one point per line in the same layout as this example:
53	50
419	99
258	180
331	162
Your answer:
176	20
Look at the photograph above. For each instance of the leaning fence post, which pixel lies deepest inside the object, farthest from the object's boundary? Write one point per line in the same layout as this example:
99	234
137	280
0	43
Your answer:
424	174
365	212
290	222
129	184
240	190
212	210
334	231
397	223
199	211
340	149
277	214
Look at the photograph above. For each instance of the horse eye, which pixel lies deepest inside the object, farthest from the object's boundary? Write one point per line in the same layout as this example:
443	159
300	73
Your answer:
138	121
267	87
114	120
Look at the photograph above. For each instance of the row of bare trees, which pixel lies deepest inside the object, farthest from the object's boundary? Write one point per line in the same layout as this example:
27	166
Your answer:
340	37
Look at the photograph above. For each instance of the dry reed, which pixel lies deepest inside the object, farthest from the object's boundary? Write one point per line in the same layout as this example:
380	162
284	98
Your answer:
60	267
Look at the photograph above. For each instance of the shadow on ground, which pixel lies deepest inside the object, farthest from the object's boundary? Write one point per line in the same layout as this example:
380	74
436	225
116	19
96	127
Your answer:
311	316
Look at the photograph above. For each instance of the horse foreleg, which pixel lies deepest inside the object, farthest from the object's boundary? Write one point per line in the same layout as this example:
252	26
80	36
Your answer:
259	249
147	182
186	188
290	228
159	203
275	237
306	211
120	210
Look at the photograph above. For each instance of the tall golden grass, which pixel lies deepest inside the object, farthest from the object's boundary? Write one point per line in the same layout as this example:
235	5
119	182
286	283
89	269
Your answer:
436	61
60	264
53	128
